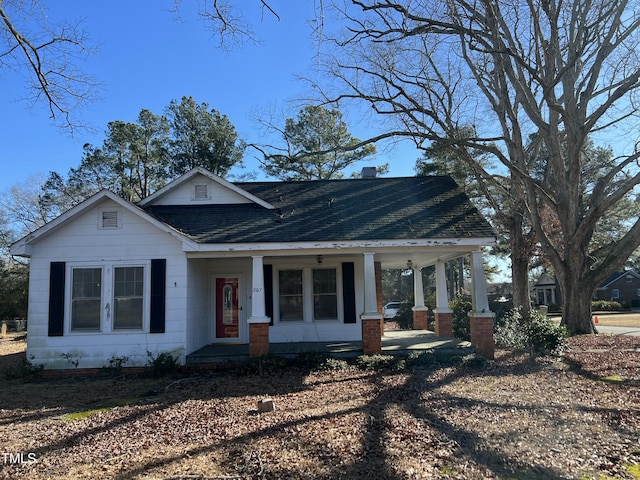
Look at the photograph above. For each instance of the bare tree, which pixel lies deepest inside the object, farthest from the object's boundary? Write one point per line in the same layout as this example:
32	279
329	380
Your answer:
528	75
49	57
22	207
226	20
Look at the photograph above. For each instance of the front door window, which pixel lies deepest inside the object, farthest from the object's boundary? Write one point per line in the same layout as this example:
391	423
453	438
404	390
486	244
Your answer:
227	315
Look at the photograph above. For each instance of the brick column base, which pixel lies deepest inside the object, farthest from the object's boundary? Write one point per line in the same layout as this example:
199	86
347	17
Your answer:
444	324
258	339
420	318
482	334
371	335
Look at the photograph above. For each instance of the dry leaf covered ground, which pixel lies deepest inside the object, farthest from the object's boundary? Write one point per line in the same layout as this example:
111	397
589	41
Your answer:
578	418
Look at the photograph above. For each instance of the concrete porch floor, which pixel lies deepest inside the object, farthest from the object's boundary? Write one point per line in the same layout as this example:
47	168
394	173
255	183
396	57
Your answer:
394	342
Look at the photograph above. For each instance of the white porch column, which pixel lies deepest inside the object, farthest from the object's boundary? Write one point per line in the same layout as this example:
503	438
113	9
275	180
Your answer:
371	319
370	298
258	309
479	300
442	299
420	316
442	313
480	317
418	289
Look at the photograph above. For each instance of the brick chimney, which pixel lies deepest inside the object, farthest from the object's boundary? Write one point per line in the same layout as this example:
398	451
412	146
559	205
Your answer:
368	172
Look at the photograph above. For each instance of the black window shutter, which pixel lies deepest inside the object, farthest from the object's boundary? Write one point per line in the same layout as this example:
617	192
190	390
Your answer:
158	291
268	291
349	292
56	299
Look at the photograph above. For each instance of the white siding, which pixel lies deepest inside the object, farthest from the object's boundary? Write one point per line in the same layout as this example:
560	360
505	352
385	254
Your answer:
82	243
198	327
184	194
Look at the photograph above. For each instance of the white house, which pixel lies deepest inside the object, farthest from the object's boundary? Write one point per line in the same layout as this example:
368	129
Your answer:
205	261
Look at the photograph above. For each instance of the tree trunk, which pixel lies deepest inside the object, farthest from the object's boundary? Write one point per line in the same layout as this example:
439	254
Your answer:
576	293
520	279
520	257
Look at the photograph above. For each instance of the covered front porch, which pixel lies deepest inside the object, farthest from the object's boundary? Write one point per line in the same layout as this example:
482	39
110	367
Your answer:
340	317
394	342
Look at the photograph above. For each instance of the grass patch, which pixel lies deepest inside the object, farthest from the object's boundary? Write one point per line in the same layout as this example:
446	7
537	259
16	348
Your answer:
103	407
69	417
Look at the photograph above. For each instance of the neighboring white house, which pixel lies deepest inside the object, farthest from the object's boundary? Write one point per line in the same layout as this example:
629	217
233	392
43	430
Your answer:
545	291
202	260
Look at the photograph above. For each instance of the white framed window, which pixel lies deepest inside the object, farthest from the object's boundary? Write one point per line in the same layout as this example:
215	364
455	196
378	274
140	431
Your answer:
111	297
308	294
86	299
128	298
290	295
638	292
615	293
325	294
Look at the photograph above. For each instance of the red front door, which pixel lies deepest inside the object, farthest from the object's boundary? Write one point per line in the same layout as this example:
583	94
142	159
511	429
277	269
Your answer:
227	318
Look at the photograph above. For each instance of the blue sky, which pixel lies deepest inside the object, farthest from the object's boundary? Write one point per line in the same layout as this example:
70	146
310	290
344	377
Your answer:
149	55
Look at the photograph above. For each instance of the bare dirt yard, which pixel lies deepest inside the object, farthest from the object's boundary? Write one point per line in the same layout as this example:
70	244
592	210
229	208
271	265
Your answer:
577	417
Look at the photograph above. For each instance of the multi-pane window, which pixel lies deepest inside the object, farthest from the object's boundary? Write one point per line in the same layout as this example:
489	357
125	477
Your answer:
86	298
128	293
290	295
325	295
307	294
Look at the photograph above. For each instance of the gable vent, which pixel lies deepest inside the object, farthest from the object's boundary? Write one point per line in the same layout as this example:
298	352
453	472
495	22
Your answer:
109	219
200	192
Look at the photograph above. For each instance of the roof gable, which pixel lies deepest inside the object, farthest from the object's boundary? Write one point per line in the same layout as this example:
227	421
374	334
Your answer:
201	187
617	276
545	280
21	247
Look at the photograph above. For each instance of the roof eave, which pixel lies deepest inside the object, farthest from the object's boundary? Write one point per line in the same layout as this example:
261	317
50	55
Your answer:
470	244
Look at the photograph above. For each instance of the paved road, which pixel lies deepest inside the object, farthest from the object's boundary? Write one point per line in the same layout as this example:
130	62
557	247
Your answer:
618	330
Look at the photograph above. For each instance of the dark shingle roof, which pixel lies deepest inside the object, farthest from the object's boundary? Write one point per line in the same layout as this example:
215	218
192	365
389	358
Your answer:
334	210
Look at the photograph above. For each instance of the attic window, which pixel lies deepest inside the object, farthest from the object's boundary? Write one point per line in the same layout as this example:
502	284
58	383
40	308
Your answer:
109	219
201	191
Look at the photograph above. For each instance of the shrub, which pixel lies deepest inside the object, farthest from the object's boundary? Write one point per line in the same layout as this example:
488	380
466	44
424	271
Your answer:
310	360
605	305
30	369
545	335
475	361
161	364
262	365
534	332
114	367
380	362
318	361
404	317
333	364
425	358
510	331
461	306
